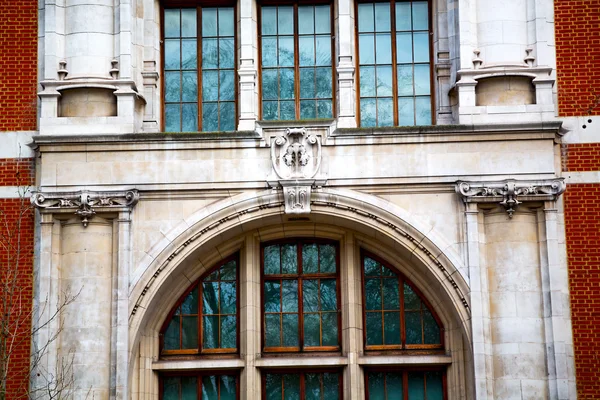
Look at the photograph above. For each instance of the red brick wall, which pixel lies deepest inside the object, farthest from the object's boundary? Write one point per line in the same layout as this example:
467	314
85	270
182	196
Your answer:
18	64
577	53
581	157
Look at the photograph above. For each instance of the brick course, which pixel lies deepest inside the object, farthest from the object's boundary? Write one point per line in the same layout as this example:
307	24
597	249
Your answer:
16	171
577	53
582	157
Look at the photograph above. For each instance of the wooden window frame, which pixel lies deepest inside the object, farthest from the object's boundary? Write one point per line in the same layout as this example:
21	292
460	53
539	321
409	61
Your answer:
402	347
405	372
295	4
299	277
198	5
198	283
199	375
302	372
393	31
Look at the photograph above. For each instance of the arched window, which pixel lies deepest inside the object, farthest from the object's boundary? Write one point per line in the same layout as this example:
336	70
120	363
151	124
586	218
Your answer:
395	314
205	319
300	296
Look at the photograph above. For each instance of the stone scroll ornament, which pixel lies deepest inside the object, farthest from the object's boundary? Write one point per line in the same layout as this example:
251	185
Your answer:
85	203
296	159
510	193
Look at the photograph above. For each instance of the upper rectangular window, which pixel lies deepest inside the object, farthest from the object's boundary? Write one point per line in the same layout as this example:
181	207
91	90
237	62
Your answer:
394	63
297	76
199	65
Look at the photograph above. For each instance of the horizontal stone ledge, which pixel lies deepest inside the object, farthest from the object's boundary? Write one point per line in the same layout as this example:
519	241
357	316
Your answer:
428	359
300	362
182	365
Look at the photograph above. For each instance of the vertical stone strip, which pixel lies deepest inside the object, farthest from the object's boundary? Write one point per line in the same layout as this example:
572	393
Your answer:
248	65
345	64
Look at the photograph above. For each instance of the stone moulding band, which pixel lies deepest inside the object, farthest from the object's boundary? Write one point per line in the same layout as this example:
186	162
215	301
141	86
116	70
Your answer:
509	193
85	203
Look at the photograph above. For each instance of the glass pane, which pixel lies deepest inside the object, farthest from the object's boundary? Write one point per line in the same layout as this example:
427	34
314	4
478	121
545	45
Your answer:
310	295
403	16
420	19
172	86
286	84
213	276
272	330
226	53
324	109
416	386
430	328
373	293
324	84
366	43
310	258
327	258
365	18
411	299
312	387
228	298
307	83
210	389
209	22
306	15
434	384
405	80
228	387
291	387
190	304
368	112
269	52
170	388
285	20
273	387
272	260
228	116
393	383
382	17
270	110
372	267
423	114
189	118
384	82
288	110
290	330
269	84
210	85
374	333
228	332
189	56
328	295
376	385
322	19
308	109
404	48
306	46
210	54
323	50
421	46
226	22
190	86
172	118
413	327
391	295
210	117
269	21
172	54
172	334
385	271
367	81
272	296
312	330
228	271
289	299
210	298
286	51
189	339
391	326
172	23
331	385
289	259
330	328
210	332
406	111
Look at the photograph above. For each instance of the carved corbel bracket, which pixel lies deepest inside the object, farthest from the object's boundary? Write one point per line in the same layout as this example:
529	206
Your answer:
510	193
85	203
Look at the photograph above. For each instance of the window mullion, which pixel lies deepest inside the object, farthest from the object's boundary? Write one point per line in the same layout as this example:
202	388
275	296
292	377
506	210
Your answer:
296	63
199	64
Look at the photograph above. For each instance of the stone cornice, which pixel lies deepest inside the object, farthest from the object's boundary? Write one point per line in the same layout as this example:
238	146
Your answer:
509	193
85	204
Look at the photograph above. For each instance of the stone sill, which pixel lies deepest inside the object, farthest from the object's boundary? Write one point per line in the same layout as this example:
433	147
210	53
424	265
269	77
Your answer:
406	360
301	361
182	365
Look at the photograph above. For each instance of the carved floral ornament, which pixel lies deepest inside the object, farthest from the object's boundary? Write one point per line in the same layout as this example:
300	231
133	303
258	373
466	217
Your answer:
510	193
296	160
85	203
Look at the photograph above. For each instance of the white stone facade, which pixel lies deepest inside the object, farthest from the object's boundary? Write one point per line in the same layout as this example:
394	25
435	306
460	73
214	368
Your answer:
469	209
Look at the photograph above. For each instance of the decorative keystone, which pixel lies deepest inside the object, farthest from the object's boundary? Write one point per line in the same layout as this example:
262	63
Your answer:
114	68
85	203
62	70
529	59
510	192
477	62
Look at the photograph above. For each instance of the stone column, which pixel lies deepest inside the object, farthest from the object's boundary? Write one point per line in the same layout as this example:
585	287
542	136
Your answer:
345	64
248	66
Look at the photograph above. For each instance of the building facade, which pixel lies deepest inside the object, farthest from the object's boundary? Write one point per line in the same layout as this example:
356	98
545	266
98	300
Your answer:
281	200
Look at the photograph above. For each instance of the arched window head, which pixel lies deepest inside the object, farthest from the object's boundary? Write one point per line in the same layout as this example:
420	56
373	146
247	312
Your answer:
205	319
396	316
